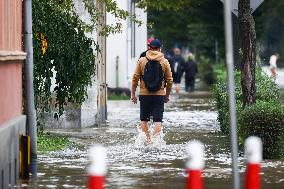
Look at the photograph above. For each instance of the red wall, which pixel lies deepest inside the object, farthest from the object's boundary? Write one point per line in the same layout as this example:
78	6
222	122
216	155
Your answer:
10	91
10	25
10	70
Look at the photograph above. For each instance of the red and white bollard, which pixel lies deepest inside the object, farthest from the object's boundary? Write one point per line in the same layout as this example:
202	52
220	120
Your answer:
98	167
195	165
253	153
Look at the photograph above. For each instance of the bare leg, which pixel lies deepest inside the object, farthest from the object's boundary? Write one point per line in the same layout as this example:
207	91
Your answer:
145	129
158	128
177	88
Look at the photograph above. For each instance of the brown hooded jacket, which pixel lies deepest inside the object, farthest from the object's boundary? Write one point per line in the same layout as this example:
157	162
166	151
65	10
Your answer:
157	56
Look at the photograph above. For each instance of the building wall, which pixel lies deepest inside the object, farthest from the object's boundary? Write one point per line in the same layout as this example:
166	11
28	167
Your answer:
12	122
11	25
10	91
123	49
10	59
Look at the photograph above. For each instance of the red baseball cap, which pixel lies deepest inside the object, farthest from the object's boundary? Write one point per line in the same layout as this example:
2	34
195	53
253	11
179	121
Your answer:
155	44
149	40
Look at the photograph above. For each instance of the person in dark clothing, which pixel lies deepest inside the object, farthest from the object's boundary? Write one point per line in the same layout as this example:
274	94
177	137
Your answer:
177	67
191	70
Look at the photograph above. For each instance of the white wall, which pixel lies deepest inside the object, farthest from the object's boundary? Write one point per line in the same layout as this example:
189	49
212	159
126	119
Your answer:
119	45
89	108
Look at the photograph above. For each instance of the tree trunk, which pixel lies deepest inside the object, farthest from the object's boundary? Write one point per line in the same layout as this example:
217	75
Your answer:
247	52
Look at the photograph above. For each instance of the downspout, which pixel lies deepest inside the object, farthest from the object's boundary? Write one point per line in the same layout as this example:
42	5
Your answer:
29	76
128	44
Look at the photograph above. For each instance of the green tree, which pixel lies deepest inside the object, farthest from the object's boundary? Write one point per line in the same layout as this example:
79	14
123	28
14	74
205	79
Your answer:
162	4
61	47
269	28
197	24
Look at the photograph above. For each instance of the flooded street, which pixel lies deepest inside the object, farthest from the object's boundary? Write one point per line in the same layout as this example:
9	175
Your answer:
186	118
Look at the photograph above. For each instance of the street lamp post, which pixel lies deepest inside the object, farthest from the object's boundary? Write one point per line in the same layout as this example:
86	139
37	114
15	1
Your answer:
231	92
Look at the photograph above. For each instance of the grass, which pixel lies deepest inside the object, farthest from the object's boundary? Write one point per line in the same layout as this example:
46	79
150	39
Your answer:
118	97
49	142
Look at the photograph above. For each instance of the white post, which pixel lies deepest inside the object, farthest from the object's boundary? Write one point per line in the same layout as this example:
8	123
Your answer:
98	167
253	149
195	165
253	154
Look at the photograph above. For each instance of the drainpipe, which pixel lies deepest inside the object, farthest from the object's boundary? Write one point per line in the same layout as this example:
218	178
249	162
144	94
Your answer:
29	76
117	72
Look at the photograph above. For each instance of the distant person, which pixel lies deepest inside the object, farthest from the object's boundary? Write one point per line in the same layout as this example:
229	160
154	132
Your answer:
273	63
190	69
154	74
143	54
177	68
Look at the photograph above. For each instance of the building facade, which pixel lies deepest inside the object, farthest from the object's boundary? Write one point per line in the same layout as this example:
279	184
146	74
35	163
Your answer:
124	49
114	64
12	120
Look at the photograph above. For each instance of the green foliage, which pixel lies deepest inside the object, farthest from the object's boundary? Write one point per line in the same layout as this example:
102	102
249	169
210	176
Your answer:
266	90
162	5
206	71
61	47
118	97
220	94
111	7
269	28
220	71
197	25
48	142
169	26
69	52
264	119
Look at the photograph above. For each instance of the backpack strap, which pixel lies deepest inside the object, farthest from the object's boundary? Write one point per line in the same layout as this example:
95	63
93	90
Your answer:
164	70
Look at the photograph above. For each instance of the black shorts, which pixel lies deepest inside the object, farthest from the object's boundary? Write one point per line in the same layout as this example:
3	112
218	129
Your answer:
177	78
151	105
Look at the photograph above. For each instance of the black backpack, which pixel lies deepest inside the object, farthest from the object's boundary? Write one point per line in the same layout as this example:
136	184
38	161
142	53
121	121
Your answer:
153	75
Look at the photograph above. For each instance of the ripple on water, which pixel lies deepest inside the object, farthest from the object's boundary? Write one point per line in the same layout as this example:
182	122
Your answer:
133	165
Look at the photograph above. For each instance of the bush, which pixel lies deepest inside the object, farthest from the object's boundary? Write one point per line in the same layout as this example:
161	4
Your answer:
118	93
220	72
206	71
266	90
118	97
220	94
265	120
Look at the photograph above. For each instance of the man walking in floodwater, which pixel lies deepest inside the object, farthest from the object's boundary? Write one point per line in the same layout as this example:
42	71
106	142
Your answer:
155	75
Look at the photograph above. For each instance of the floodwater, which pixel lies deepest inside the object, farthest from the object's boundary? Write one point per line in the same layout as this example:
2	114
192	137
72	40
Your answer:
154	167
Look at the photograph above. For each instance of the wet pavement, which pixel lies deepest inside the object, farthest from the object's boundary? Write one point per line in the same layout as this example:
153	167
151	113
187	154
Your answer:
186	118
